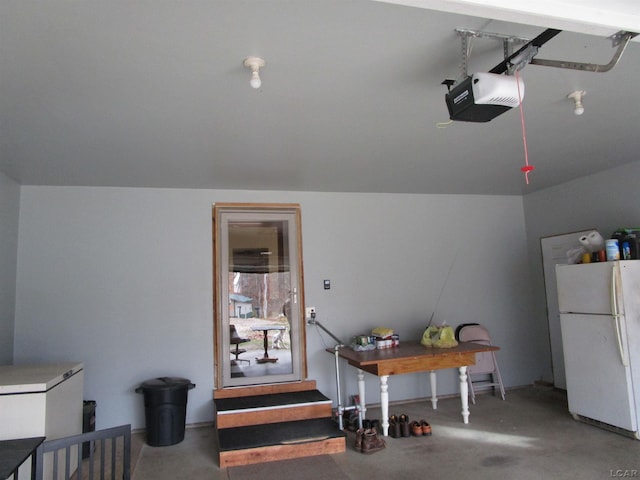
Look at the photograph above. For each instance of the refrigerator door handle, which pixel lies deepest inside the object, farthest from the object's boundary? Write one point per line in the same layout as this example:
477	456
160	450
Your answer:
615	272
614	291
623	357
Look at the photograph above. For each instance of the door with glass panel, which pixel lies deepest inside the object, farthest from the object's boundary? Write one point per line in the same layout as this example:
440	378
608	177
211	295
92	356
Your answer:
258	296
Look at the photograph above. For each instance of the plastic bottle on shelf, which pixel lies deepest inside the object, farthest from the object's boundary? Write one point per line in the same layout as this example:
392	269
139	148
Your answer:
613	252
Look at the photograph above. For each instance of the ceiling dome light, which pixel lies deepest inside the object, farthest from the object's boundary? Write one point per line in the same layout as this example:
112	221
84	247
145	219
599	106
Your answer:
576	96
255	64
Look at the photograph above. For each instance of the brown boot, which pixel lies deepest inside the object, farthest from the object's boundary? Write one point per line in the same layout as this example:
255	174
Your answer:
371	443
405	427
359	436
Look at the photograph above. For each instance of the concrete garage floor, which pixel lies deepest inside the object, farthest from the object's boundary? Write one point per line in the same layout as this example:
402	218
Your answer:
530	435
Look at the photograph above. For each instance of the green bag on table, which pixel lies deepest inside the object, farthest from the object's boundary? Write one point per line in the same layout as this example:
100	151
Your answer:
439	337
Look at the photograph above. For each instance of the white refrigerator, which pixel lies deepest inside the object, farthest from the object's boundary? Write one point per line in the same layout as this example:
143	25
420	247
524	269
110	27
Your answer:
599	306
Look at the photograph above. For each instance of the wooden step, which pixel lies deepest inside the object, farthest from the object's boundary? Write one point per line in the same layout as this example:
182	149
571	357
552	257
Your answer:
279	441
272	408
264	423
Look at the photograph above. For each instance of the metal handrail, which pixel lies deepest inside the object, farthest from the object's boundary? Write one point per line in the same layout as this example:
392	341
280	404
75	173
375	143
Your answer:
336	352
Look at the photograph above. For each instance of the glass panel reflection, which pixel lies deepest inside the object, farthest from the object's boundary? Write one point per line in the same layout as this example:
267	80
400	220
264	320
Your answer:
259	283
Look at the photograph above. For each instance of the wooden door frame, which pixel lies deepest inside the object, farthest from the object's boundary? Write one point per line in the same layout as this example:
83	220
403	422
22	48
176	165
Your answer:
217	307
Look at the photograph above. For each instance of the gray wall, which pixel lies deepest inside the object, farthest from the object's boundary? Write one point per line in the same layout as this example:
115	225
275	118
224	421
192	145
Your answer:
605	201
9	215
121	280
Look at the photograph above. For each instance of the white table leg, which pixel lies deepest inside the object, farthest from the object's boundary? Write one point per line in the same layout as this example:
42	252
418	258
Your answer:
434	394
464	394
363	403
384	404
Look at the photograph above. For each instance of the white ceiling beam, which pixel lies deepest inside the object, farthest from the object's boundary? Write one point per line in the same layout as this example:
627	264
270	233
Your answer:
593	17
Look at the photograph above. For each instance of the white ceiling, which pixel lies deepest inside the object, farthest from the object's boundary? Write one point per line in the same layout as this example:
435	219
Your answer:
152	93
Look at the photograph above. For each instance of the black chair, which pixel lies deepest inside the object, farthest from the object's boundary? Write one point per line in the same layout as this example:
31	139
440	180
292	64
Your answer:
55	456
235	339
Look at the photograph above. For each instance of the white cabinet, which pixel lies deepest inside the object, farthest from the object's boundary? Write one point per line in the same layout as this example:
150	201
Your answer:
41	400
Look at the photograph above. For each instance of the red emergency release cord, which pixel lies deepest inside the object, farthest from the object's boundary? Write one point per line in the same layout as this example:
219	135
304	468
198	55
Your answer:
526	168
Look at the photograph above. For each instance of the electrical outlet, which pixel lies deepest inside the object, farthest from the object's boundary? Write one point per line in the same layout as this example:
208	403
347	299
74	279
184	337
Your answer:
310	311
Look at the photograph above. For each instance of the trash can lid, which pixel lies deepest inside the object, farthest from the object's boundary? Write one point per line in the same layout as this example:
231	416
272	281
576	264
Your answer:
166	382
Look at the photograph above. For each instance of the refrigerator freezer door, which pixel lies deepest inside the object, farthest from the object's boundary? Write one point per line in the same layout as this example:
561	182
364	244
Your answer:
585	288
598	384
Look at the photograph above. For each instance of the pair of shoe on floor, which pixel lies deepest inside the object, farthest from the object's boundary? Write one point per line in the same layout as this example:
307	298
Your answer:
399	426
420	428
368	441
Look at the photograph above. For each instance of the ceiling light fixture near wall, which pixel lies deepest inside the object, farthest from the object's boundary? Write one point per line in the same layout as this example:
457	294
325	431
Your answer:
255	64
576	96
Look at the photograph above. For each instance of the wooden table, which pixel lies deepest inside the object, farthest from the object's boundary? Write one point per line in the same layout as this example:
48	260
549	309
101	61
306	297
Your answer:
14	453
265	330
412	357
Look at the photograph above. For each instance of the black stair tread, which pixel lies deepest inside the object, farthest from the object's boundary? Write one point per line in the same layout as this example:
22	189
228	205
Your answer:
269	400
284	433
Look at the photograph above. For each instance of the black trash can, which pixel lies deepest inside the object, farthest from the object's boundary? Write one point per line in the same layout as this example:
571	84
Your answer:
165	402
